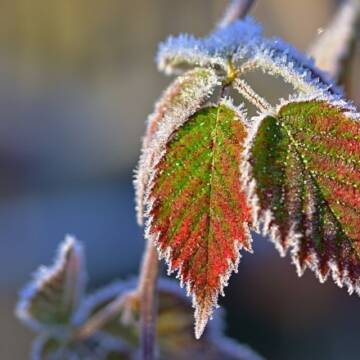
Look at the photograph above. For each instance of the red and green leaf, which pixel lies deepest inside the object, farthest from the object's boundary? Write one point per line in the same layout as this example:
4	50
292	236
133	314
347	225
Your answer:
181	100
198	213
305	161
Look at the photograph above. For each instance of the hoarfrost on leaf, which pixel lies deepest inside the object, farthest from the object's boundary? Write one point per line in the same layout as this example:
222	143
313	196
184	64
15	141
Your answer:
181	100
198	215
303	179
186	51
55	292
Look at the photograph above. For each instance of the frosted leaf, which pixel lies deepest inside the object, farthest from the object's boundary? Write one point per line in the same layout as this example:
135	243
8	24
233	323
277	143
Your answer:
198	216
186	51
182	98
280	59
334	44
303	179
243	40
51	298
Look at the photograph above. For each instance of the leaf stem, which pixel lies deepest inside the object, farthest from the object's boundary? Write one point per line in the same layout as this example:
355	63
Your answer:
237	9
145	294
249	94
148	301
99	319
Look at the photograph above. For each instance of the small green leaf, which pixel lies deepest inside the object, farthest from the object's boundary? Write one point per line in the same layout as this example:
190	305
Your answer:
198	212
306	164
52	297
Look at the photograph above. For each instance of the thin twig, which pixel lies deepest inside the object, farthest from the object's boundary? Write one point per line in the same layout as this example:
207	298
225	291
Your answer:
247	91
99	319
148	303
236	10
334	45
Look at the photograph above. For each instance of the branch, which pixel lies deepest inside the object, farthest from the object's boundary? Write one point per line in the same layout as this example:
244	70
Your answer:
109	312
237	9
147	293
334	45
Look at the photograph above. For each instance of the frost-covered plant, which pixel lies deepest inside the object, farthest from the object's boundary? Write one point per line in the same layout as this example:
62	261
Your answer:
104	325
209	174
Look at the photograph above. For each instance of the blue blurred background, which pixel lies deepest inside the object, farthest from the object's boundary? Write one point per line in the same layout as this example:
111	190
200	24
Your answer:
77	80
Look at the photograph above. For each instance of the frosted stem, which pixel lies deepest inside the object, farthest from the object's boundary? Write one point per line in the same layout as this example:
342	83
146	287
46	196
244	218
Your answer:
147	292
237	9
247	66
333	46
99	319
249	94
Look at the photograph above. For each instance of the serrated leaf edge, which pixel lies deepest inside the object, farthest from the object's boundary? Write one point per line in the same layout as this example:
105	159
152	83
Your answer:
263	219
202	315
154	147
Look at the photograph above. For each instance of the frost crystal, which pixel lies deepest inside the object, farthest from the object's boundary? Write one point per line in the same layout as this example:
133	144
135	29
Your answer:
183	97
184	51
277	58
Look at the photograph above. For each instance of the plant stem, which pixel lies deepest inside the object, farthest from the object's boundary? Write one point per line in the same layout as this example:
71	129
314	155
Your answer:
100	318
148	302
249	94
236	10
145	294
334	45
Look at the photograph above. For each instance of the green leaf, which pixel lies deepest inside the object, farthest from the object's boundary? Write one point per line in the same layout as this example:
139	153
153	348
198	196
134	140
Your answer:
198	212
181	100
52	297
305	161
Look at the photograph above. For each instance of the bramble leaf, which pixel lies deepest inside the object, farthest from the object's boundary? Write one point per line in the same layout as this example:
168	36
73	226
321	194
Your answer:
243	43
280	59
181	100
185	51
198	212
54	294
305	162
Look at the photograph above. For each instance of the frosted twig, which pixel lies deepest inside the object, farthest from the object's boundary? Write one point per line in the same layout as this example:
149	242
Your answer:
147	292
99	319
247	66
334	44
247	91
237	9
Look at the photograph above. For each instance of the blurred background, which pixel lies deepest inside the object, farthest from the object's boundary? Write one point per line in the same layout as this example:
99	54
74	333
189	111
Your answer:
77	80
